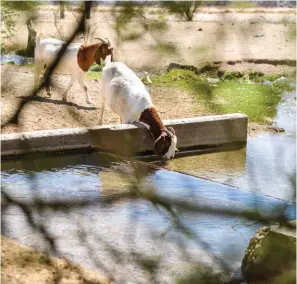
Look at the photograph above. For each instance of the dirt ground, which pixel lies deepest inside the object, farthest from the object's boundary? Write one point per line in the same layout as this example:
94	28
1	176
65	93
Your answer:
224	36
211	36
22	265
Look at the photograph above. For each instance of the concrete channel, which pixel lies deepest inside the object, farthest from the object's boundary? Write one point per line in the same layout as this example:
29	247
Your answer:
128	139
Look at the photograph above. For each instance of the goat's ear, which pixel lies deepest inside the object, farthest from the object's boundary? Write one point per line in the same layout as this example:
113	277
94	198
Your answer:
159	145
171	130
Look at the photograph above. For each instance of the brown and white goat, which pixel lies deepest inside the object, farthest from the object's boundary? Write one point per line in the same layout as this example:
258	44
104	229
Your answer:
76	60
127	96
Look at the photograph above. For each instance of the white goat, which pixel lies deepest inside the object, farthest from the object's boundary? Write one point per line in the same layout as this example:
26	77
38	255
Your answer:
127	96
76	60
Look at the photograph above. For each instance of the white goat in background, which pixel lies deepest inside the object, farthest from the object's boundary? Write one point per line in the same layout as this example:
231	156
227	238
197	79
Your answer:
76	60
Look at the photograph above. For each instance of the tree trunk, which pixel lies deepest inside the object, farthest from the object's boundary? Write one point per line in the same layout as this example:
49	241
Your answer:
62	10
31	40
88	5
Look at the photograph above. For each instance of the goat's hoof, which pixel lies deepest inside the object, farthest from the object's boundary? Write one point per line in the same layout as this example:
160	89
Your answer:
89	102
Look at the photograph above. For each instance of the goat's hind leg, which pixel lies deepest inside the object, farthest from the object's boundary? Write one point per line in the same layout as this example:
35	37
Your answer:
103	99
37	72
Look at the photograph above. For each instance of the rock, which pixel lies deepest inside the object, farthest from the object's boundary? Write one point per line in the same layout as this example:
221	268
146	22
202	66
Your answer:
277	129
271	254
281	79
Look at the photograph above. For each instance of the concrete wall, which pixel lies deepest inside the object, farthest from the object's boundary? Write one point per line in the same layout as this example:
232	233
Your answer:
122	139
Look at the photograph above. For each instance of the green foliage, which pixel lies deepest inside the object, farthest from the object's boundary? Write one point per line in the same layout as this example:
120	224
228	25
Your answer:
9	10
3	49
94	75
186	9
95	68
174	75
127	12
130	12
227	76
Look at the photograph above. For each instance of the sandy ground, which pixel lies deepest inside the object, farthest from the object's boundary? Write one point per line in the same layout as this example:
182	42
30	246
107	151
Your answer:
223	37
210	37
22	265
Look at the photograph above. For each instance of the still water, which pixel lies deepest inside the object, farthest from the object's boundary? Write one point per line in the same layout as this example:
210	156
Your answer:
112	234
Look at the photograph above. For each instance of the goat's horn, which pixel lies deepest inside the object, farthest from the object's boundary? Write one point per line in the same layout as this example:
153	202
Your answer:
171	130
100	39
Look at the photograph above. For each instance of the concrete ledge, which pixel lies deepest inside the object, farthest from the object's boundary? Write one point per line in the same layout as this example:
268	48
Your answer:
123	138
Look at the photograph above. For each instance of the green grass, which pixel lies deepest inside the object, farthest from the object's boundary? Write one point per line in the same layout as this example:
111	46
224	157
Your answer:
258	101
94	75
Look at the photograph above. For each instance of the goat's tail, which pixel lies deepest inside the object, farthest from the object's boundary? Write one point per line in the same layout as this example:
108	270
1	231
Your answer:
38	38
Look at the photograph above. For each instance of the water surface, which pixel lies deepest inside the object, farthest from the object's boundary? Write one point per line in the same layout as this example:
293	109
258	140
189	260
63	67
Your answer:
98	235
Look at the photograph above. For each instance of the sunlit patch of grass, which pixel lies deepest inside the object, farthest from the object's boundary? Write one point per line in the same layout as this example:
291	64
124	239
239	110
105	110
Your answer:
175	75
258	101
94	75
95	68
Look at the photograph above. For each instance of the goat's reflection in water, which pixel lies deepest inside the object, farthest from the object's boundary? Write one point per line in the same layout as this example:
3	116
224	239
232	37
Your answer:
127	179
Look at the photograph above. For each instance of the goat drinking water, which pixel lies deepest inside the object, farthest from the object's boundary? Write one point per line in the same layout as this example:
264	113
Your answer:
127	96
76	60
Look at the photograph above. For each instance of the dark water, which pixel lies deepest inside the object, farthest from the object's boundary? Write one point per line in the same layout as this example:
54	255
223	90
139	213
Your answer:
93	232
16	59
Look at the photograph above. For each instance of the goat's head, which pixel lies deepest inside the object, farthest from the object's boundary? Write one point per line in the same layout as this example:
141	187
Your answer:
165	145
103	50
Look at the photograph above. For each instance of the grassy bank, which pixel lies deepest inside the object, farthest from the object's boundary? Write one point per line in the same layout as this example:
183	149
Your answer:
231	93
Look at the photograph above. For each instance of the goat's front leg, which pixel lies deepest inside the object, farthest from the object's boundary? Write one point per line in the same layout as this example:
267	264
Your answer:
103	99
81	81
68	88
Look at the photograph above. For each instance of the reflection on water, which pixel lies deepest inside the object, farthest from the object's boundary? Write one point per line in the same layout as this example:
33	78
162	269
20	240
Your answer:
211	165
85	234
267	166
